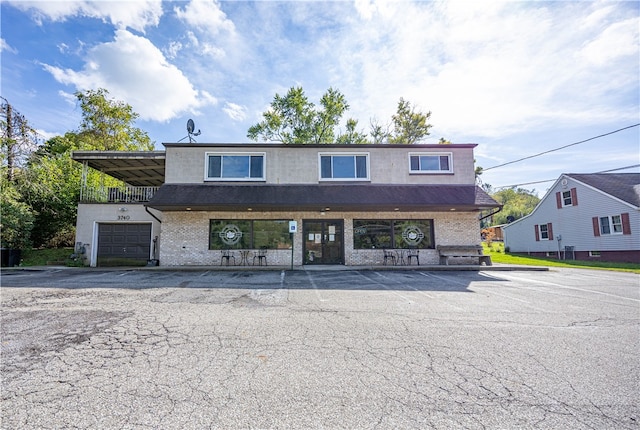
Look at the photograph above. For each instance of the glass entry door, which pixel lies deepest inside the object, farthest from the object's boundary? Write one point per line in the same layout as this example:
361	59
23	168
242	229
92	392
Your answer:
323	241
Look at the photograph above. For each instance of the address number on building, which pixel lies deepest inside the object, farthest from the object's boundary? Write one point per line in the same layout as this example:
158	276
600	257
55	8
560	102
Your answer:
124	217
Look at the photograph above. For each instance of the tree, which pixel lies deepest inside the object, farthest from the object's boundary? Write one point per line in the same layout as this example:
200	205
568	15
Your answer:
351	136
517	203
50	184
18	138
50	181
478	172
108	124
379	133
17	217
409	126
293	119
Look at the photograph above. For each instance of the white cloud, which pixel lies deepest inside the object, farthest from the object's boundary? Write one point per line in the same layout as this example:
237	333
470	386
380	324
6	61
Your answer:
4	47
137	14
487	68
173	49
132	69
235	112
46	135
206	15
63	48
618	40
68	97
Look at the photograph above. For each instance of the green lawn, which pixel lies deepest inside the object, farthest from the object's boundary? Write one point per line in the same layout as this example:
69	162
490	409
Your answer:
498	256
47	257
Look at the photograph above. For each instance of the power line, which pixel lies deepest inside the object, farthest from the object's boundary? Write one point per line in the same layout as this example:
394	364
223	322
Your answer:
562	147
549	180
620	168
525	183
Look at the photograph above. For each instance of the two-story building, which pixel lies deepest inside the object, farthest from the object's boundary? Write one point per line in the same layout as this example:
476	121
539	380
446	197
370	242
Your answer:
212	204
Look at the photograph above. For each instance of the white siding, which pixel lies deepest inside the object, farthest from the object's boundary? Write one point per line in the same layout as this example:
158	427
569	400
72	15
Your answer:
573	223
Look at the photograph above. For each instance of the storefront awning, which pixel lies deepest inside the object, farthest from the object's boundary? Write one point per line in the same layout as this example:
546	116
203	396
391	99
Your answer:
321	197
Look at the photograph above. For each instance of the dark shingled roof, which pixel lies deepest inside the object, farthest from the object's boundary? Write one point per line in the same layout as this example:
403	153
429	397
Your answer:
350	197
624	186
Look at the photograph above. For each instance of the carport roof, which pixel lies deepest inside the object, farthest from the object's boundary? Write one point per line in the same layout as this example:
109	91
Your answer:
322	197
136	168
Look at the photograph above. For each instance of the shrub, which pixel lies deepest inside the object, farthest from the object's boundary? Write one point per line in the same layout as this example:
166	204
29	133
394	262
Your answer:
62	239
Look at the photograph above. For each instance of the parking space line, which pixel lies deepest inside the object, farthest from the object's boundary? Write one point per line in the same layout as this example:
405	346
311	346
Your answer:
315	287
431	275
553	284
384	285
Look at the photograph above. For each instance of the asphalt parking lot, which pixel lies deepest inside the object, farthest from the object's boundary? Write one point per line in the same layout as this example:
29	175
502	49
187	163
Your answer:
320	349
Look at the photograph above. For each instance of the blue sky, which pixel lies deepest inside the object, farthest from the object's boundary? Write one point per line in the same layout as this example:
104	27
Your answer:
517	78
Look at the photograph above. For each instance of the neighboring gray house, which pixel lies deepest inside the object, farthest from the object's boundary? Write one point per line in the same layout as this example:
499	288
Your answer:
583	217
211	204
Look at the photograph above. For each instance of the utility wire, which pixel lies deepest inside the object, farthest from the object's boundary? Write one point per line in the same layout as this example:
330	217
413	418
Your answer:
549	180
562	147
620	168
524	183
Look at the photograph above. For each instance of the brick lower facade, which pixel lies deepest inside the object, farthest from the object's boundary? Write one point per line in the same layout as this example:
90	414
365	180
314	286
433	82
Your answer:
185	235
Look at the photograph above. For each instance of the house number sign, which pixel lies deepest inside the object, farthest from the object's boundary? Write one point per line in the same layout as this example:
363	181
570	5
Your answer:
124	217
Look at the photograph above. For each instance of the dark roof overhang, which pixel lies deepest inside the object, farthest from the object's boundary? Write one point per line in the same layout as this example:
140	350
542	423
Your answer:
335	197
136	168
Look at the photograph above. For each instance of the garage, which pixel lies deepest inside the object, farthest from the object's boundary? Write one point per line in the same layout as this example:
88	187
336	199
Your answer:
124	244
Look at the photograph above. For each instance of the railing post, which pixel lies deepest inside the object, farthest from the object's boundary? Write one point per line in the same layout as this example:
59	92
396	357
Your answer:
83	180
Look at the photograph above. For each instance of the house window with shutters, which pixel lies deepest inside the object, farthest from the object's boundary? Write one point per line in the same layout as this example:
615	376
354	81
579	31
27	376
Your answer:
543	232
567	198
611	225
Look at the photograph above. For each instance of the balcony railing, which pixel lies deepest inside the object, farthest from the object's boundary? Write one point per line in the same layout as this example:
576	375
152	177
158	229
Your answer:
117	194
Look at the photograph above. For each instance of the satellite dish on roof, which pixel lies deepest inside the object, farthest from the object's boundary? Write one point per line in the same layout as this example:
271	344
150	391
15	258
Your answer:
190	131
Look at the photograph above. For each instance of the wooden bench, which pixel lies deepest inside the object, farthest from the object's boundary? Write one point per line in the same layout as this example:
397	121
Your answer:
447	252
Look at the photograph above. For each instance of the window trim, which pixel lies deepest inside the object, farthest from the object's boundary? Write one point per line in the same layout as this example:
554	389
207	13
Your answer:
208	178
542	233
367	155
538	231
564	199
431	172
611	225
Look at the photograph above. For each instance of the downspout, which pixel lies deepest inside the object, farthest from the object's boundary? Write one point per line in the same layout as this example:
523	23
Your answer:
491	214
146	208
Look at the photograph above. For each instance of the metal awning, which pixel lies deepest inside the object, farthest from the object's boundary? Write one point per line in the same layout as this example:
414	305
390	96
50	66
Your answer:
136	168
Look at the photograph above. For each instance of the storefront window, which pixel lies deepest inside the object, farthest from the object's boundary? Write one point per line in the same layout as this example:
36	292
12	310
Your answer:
370	234
271	234
249	234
